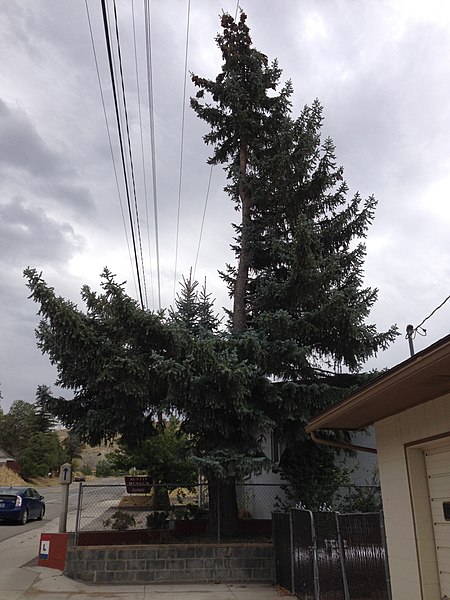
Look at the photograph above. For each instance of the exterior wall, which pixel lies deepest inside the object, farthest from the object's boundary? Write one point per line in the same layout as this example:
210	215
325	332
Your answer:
260	501
10	464
172	563
401	440
363	465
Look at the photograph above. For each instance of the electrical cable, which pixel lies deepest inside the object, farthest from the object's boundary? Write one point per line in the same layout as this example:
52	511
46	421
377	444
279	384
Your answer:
129	150
236	13
110	141
152	137
183	112
203	219
142	154
416	329
122	151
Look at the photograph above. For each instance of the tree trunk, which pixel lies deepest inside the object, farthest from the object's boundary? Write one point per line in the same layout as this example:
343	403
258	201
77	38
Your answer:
240	289
223	515
161	500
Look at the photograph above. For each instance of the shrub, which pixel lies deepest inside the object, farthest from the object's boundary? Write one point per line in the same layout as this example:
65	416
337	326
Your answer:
120	521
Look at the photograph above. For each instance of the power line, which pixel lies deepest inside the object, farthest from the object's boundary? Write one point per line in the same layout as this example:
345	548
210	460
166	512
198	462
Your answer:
203	218
412	332
109	141
119	52
122	152
152	136
181	145
142	154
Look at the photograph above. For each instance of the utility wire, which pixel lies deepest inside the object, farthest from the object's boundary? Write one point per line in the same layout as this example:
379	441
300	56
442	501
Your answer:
203	218
133	180
152	136
142	154
181	145
237	9
109	141
122	151
415	330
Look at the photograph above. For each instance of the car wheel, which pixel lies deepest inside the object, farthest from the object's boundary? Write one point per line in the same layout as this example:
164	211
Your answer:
41	514
24	518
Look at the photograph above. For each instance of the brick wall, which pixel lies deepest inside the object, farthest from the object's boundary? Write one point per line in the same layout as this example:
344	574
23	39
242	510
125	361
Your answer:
174	563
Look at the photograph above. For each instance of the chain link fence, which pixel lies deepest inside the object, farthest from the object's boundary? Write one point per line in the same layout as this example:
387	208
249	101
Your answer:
329	556
108	514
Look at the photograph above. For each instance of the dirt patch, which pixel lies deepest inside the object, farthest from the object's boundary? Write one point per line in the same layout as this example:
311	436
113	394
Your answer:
144	502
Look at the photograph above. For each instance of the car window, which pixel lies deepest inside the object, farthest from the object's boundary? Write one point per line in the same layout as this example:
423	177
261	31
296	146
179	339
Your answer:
28	493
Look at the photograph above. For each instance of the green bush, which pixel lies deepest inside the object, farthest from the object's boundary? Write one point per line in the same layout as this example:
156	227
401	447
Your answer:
120	521
104	469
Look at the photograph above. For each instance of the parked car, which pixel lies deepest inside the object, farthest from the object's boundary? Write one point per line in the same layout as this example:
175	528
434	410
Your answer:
20	504
79	478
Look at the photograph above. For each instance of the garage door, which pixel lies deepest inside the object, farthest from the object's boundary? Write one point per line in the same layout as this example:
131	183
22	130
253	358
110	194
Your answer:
438	471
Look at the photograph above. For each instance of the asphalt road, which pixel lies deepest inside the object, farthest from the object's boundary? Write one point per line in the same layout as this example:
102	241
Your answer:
52	495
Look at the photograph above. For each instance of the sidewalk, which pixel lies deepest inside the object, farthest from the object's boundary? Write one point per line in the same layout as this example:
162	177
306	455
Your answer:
21	582
52	585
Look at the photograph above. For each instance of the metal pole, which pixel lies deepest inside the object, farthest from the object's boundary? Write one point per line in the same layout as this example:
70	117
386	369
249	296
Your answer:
386	558
78	518
218	511
315	564
291	540
64	509
409	334
342	558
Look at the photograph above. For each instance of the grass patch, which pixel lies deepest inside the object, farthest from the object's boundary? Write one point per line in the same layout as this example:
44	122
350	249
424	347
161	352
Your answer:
8	477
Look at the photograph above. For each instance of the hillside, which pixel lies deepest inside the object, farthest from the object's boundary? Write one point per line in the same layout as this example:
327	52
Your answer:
90	455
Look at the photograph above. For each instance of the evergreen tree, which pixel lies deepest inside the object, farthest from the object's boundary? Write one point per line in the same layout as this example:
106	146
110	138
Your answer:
298	286
126	366
244	118
194	310
299	306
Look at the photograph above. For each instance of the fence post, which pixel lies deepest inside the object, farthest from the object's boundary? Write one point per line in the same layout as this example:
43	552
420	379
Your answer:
218	512
342	558
315	564
291	541
78	519
386	560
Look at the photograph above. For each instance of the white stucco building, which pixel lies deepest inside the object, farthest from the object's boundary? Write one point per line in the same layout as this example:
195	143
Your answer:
409	406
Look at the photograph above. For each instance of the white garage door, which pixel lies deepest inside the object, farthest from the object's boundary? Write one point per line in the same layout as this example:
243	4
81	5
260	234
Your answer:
438	471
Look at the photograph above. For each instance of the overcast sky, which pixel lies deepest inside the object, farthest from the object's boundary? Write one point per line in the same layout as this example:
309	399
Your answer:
379	67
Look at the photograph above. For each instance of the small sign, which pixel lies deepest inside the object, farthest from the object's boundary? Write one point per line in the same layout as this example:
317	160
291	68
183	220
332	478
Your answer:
45	549
65	474
138	484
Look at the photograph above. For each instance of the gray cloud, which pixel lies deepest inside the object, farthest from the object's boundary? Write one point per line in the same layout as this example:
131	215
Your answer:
380	71
22	147
28	233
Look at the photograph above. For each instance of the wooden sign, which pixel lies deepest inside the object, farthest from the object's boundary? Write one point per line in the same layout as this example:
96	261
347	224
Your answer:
138	484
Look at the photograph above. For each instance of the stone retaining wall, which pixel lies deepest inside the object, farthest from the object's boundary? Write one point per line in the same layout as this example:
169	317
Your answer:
172	563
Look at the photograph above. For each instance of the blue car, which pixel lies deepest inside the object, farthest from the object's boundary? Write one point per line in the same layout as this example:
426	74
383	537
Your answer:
20	504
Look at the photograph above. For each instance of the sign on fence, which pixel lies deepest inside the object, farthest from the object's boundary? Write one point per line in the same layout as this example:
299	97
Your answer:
138	484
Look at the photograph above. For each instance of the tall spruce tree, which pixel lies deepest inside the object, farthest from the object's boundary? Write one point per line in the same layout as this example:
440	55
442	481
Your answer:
298	286
244	118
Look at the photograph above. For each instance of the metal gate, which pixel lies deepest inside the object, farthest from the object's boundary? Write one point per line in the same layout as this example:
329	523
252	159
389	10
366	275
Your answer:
329	556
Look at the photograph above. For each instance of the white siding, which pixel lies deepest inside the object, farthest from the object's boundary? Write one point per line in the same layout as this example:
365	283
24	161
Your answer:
409	528
438	470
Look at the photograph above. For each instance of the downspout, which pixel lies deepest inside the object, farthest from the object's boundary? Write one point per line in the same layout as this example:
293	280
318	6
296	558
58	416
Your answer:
342	445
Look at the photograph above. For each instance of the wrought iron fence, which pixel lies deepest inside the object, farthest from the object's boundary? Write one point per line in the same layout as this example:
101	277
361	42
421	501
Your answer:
329	556
108	514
